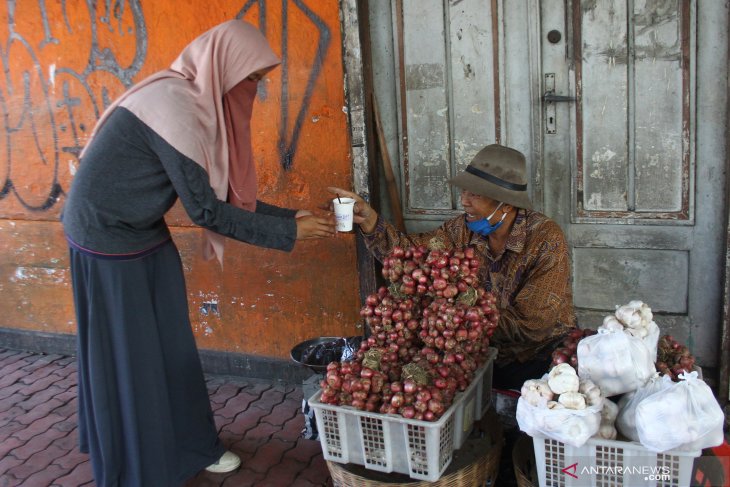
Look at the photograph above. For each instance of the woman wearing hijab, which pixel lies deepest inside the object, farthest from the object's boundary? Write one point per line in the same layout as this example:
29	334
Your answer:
184	132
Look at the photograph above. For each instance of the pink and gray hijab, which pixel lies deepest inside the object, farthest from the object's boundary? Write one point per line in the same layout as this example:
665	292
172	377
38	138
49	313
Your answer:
202	104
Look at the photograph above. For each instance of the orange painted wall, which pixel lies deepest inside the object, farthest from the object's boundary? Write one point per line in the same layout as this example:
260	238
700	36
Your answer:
65	62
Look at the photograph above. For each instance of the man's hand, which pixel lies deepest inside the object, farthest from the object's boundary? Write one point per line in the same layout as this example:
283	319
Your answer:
363	214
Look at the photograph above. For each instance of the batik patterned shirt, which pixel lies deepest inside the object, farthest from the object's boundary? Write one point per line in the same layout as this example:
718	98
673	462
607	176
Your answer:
530	278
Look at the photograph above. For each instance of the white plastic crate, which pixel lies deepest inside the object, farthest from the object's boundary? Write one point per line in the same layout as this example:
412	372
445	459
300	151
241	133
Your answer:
609	463
484	387
476	399
392	443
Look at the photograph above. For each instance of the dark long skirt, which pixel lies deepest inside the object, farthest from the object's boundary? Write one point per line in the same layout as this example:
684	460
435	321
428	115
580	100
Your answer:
144	413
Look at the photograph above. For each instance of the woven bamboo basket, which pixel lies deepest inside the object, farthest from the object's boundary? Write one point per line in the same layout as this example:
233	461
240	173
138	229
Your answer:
475	464
523	458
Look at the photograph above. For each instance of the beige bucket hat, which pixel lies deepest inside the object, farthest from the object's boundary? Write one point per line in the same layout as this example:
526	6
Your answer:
497	172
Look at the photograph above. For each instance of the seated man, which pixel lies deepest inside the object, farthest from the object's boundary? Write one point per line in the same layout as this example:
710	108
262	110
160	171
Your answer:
525	259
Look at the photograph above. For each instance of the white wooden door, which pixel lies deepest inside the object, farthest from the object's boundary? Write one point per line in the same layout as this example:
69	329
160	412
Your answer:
634	167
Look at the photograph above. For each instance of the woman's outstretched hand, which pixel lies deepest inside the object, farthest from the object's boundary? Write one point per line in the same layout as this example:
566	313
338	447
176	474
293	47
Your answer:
363	214
310	226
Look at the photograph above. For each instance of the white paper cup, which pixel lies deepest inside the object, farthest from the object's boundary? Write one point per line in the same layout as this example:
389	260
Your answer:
344	208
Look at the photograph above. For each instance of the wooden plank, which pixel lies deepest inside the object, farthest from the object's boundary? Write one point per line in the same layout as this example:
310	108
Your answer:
604	101
384	56
633	236
610	277
390	183
356	87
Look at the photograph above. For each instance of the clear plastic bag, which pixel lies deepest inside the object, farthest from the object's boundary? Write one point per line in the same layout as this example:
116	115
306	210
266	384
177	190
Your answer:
651	340
638	320
615	361
570	426
626	420
350	346
309	432
685	416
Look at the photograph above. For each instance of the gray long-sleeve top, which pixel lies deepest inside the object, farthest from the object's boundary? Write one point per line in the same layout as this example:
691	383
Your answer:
130	177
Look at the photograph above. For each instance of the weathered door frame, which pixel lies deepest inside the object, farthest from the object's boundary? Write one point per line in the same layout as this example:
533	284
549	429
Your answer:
724	386
358	63
358	90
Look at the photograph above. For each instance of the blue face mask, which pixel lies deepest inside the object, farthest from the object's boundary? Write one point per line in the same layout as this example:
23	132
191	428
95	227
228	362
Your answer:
483	227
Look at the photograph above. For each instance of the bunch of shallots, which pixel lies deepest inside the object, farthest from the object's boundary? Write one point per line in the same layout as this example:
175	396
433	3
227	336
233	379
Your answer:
673	358
566	353
429	333
437	273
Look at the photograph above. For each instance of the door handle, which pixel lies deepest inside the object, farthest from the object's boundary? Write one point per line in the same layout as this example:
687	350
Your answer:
552	97
549	99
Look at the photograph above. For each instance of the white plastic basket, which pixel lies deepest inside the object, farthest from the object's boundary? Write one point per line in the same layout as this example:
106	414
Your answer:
609	463
392	443
484	387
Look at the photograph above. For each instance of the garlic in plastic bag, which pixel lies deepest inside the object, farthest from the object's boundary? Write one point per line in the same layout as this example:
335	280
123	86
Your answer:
569	419
590	391
572	400
563	378
626	419
536	392
635	319
635	314
612	323
570	426
615	361
684	416
607	429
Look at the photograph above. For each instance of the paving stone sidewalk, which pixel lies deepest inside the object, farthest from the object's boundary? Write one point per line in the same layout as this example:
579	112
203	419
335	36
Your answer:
258	420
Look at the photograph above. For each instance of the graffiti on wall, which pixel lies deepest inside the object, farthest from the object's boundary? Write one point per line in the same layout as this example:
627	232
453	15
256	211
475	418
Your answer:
64	62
